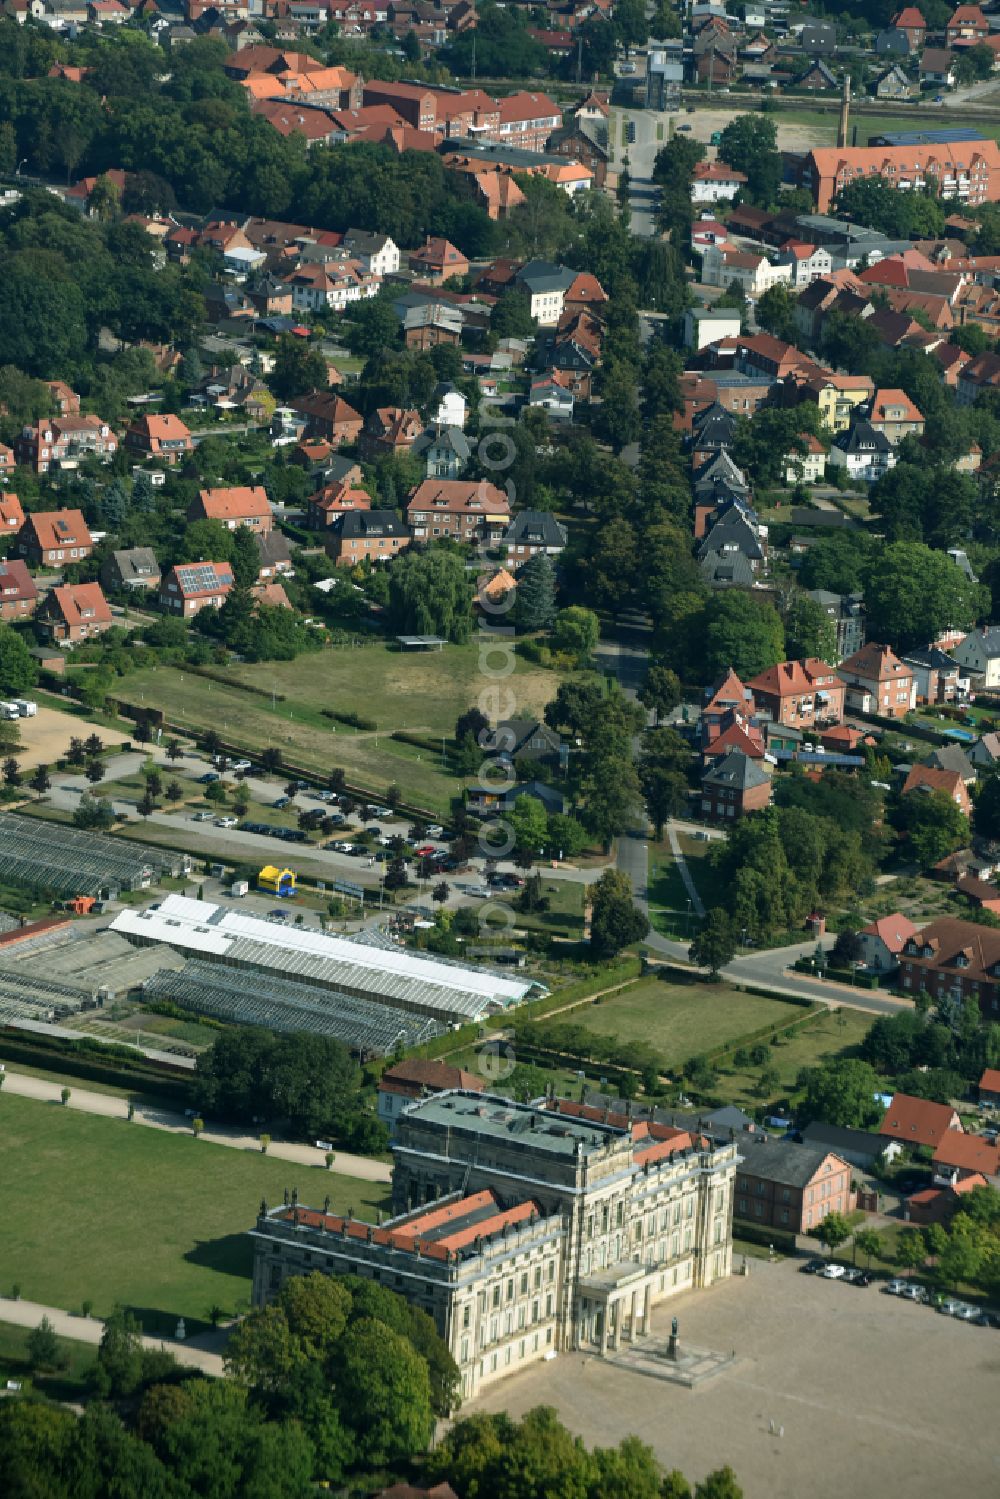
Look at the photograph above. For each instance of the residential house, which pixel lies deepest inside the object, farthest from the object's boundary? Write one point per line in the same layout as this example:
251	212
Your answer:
918	1121
981	894
11	514
130	569
980	373
73	612
733	785
52	538
800	694
448	405
547	286
331	285
807	466
989	1088
60	442
469	512
753	274
414	1078
863	452
952	960
189	587
372	535
979	655
389	429
329	416
707	325
911	23
877	682
18	594
332	500
837	396
378	253
963	169
937	677
815	79
895	415
437	261
789	1187
431	324
967	25
845	611
925	779
892	83
162	437
548	393
445	451
275	556
517	741
808	263
533	533
882	942
961	1156
234	506
715	182
984	754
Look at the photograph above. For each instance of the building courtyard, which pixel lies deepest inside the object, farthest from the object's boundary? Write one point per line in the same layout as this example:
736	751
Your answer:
874	1395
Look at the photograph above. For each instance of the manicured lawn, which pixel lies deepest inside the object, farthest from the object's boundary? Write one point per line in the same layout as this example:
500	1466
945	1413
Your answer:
103	1210
681	1020
670	909
922	115
63	1384
420	692
828	1036
564	917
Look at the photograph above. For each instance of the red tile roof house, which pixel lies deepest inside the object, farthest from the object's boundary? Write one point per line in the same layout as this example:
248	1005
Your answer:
954	959
163	437
50	538
11	514
332	500
438	260
60	440
799	694
877	682
389	429
989	1088
74	612
960	1156
192	586
417	1078
239	505
918	1121
328	416
924	779
882	942
18	594
980	892
466	511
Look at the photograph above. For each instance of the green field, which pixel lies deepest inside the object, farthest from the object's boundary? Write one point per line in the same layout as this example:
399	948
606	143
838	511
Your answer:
65	1384
681	1020
824	1038
421	692
106	1211
920	116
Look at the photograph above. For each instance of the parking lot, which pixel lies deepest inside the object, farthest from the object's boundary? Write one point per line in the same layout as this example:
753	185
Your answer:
876	1396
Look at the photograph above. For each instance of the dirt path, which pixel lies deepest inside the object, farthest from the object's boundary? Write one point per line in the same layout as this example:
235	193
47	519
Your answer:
198	1354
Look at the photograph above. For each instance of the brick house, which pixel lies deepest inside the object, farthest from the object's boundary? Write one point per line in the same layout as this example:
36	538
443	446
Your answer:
18	594
130	568
989	1087
882	942
164	437
190	587
790	1187
50	538
61	441
334	499
328	416
234	506
960	1156
925	779
400	1084
466	511
895	415
389	429
74	612
800	693
437	261
11	513
954	959
733	785
377	535
877	682
918	1121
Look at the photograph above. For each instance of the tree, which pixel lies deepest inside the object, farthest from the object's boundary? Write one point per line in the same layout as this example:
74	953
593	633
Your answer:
720	1484
912	594
742	632
384	1388
833	1231
576	632
43	1347
661	691
298	369
878	204
809	630
430	594
776	312
750	144
529	824
18	671
847	949
119	1357
933	825
511	316
662	768
986	809
536	594
12	772
616	921
911	1251
93	812
869	1242
842	1093
715	944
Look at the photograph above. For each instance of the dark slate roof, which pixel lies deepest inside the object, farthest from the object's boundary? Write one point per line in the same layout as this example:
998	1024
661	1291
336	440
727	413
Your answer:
539	527
832	1137
273	547
137	562
782	1161
951	757
371	523
863	438
544	275
735	769
733	531
443	437
718	568
934	658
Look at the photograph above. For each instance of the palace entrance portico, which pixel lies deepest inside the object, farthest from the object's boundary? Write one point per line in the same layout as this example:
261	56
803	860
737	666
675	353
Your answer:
613	1306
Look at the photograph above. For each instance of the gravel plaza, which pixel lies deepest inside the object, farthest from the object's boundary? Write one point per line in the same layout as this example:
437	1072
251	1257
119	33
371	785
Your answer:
876	1396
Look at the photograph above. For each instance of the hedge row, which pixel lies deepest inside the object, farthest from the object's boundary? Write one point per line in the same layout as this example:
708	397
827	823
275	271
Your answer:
74	1061
352	720
419	741
625	971
214	675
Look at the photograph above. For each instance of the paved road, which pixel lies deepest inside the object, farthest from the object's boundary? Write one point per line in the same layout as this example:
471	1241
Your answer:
198	1353
108	1105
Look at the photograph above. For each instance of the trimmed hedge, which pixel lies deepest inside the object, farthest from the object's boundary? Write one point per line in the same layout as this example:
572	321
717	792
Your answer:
214	675
352	720
122	1070
419	741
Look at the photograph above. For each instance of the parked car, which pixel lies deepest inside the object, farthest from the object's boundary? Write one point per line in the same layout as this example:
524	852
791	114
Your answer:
282	801
949	1307
895	1287
913	1292
832	1272
434	831
202	817
813	1267
208	778
967	1313
853	1276
226	822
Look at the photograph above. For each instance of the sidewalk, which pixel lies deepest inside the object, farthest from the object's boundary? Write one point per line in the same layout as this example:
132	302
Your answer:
199	1353
345	1164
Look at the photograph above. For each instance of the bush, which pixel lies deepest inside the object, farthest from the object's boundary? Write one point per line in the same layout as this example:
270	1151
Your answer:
352	720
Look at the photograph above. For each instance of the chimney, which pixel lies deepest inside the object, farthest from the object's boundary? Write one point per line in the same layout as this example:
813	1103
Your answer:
845	110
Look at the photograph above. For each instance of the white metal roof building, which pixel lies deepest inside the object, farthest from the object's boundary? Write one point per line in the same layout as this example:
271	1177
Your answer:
395	976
